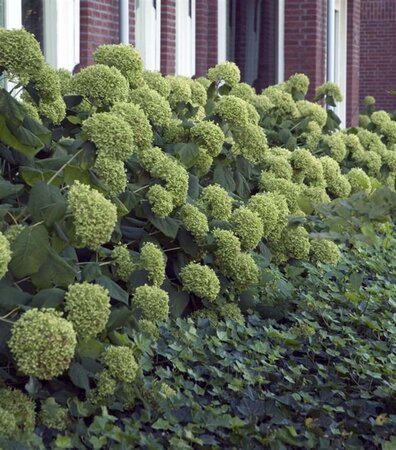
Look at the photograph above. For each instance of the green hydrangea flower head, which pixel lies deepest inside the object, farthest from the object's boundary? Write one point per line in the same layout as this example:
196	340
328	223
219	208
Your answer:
94	216
65	77
297	83
228	249
336	144
201	281
88	308
203	162
199	95
262	104
203	81
369	100
206	313
278	165
5	254
20	54
167	391
42	343
331	169
11	233
341	188
20	407
373	162
269	183
231	311
156	107
232	109
194	221
156	81
54	111
135	117
215	202
153	302
324	251
371	141
244	91
123	260
101	85
313	111
112	136
105	388
358	180
180	90
175	132
123	57
353	146
54	416
364	120
306	167
226	71
329	89
161	201
149	328
251	143
280	151
8	424
121	363
312	135
379	118
296	242
152	259
283	102
314	195
209	135
389	159
245	272
47	83
112	172
389	130
248	227
30	110
254	116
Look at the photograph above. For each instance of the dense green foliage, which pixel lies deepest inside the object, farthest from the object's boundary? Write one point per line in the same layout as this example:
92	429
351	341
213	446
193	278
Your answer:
127	198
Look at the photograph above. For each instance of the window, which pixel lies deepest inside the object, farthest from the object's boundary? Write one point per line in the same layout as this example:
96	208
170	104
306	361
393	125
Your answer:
2	13
33	19
185	37
148	32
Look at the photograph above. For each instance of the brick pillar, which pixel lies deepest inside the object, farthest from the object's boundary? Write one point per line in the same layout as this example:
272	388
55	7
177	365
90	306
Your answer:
201	37
99	24
267	51
353	62
305	40
212	33
168	36
377	51
240	35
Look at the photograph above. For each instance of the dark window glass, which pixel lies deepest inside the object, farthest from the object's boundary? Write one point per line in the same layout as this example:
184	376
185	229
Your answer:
2	18
33	19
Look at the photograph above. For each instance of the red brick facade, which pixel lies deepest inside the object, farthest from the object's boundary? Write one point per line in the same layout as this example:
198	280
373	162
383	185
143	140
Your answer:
371	42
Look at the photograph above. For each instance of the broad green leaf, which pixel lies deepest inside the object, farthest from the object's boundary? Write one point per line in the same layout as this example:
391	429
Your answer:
224	177
48	298
47	203
12	141
55	271
11	296
7	188
79	376
115	291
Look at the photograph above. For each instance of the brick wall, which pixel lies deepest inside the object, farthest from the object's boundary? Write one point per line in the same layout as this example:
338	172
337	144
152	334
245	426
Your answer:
205	36
168	36
377	51
212	33
305	40
100	25
353	62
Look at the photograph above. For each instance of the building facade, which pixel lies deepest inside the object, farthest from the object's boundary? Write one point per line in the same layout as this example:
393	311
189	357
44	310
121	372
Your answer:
350	42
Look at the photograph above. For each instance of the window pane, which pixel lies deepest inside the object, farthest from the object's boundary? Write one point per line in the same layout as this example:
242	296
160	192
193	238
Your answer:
32	18
2	11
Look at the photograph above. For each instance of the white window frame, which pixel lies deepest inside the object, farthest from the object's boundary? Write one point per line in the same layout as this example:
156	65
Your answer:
13	14
148	32
280	76
222	20
185	38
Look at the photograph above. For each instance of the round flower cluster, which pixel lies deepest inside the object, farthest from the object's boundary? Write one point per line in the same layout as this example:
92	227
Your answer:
156	81
101	85
298	83
123	57
201	281
16	411
149	328
337	185
65	78
180	91
53	415
112	173
94	216
247	226
262	104
278	165
314	195
313	111
167	391
251	143
152	301
324	251
289	190
358	180
11	233
88	308
244	91
135	117
194	221
336	145
226	71
369	100
198	93
283	102
5	254
245	272
215	202
231	311
209	135
233	109
295	242
161	200
389	159
175	132
371	141
20	54
353	146
121	363
152	259
203	162
312	135
112	136
105	388
42	343
372	161
123	260
329	89
156	107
